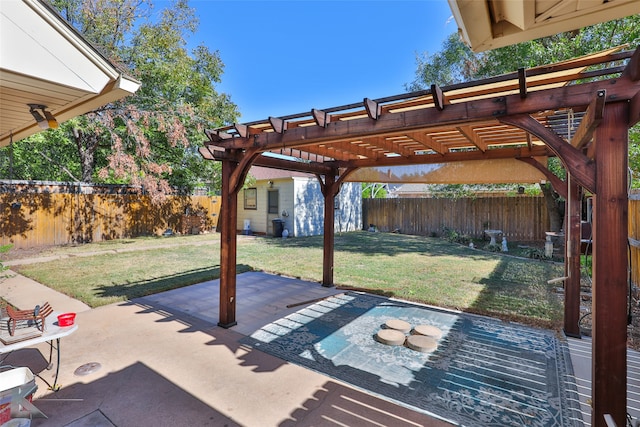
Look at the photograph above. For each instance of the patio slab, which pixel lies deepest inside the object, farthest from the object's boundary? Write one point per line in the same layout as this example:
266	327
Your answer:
161	366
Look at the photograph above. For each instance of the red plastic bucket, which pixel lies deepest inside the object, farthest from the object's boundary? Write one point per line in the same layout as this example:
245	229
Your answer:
5	412
66	319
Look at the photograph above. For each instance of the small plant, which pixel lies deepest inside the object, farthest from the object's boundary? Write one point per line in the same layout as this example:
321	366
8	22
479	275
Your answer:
449	234
494	248
454	236
4	249
535	253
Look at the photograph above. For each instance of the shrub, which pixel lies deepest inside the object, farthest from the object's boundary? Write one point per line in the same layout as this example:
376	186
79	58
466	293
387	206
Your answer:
455	237
536	253
3	249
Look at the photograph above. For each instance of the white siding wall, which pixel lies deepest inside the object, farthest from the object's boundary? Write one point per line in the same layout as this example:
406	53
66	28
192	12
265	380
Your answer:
260	218
309	208
302	200
349	215
286	204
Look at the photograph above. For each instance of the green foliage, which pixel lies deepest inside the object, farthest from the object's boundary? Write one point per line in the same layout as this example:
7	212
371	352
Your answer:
453	64
532	190
4	249
374	190
453	191
454	236
634	155
47	155
249	181
494	248
535	253
586	261
150	139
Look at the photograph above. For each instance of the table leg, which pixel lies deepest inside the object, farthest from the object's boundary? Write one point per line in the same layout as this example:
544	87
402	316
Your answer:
55	386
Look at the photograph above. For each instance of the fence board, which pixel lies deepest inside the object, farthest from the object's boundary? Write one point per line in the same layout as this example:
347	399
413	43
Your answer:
520	218
42	219
634	235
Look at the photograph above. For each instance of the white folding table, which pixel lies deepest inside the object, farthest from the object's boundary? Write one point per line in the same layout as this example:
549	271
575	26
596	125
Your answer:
52	332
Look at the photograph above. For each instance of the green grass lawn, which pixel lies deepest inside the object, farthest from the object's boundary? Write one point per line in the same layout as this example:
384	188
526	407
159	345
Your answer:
422	269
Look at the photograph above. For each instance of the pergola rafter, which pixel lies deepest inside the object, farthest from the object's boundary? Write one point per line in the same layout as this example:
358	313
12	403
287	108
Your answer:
568	110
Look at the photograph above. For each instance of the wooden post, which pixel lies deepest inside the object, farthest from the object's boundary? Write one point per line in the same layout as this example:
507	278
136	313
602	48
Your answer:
609	363
329	231
572	260
228	220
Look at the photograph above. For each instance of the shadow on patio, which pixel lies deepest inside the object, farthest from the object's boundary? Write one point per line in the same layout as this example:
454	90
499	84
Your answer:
161	366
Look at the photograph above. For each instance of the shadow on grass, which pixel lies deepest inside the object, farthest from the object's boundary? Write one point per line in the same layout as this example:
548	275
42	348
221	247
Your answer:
515	290
514	293
165	283
373	244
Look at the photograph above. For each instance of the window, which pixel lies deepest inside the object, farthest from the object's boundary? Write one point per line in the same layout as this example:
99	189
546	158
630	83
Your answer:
273	197
251	198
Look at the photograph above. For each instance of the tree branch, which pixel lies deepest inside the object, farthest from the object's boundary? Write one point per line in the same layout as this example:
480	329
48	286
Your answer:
64	169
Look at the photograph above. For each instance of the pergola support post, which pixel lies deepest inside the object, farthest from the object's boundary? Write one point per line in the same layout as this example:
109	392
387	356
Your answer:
228	241
329	192
572	259
609	362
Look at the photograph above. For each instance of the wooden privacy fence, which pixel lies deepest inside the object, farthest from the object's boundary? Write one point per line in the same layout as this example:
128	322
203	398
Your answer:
41	219
634	240
522	218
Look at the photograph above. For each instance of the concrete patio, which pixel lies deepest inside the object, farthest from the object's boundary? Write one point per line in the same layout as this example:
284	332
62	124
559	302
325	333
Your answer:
161	360
163	367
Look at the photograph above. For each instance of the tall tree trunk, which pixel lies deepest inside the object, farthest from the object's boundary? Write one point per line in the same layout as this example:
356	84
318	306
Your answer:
554	209
87	145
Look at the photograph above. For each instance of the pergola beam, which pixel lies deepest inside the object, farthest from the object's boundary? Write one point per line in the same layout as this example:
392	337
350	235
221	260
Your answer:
321	118
428	141
462	156
268	162
473	138
426	118
558	185
439	100
579	165
372	108
522	82
278	124
634	110
590	121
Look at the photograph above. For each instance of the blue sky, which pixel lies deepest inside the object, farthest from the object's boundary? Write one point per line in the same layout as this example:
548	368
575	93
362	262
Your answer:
287	57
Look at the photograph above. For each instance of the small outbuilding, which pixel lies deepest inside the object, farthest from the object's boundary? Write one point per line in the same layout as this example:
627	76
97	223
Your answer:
288	200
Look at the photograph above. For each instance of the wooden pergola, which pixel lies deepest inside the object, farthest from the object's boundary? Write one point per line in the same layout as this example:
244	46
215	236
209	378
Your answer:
579	110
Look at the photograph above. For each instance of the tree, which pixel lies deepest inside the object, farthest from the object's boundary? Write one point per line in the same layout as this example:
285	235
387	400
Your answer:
150	139
457	63
374	190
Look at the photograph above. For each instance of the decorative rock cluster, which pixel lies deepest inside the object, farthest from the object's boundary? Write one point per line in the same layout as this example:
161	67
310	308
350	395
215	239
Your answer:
423	338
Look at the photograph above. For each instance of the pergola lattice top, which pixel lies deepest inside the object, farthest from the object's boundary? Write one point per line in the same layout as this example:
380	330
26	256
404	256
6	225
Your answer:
393	130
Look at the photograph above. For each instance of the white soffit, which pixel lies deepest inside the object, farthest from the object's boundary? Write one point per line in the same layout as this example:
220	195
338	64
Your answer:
489	24
43	60
25	41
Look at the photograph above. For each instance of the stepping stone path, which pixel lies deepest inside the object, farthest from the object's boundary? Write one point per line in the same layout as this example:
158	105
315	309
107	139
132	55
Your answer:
390	337
422	343
398	325
428	330
423	338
